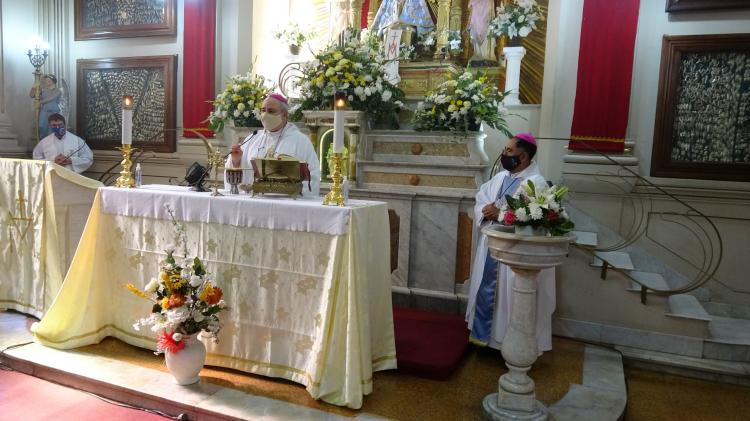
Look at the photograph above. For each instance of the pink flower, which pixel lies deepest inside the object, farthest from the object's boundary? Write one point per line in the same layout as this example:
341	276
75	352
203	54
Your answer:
509	218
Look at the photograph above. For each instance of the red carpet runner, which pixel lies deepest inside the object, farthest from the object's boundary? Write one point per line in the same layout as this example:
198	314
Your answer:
28	398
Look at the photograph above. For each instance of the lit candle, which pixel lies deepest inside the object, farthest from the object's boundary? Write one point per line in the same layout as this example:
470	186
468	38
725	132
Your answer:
127	119
338	123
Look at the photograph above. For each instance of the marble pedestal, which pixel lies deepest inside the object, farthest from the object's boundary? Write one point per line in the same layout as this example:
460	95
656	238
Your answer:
526	256
513	56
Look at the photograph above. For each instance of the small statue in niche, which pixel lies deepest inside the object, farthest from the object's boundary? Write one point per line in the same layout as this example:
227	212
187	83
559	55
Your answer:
482	12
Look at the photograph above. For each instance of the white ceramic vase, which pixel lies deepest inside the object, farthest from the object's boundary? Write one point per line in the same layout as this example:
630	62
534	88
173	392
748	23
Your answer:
186	364
529	230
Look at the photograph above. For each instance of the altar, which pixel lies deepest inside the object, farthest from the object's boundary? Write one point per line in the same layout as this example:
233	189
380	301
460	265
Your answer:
307	285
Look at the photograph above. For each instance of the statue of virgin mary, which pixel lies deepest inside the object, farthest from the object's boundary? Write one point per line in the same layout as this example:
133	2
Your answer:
484	48
406	12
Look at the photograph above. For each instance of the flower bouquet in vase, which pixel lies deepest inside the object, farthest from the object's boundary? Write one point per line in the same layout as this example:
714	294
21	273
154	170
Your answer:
535	211
515	20
185	303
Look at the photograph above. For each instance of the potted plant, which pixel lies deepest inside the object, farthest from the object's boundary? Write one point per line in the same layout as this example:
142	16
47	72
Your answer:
515	20
356	67
185	303
535	211
461	104
239	104
294	37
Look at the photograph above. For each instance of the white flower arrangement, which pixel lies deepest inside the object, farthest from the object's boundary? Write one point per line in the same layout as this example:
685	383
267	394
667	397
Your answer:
538	208
517	19
240	102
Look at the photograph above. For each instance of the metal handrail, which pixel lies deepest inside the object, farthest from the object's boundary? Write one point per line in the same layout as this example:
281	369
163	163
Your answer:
712	248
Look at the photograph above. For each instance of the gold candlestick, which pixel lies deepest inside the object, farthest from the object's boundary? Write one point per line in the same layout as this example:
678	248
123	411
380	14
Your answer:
335	197
126	176
217	162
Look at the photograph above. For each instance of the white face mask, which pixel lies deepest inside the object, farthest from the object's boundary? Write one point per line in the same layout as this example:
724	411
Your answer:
270	121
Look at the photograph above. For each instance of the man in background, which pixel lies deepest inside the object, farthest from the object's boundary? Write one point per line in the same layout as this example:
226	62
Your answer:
64	148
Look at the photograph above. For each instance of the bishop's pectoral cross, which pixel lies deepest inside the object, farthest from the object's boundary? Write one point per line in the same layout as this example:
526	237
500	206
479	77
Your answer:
19	220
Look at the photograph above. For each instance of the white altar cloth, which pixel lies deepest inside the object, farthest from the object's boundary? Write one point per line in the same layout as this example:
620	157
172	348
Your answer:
309	300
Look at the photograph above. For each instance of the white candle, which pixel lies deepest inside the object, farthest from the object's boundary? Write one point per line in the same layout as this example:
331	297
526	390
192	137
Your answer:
127	120
338	126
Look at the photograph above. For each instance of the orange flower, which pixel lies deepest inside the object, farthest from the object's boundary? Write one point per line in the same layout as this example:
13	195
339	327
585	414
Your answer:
176	300
164	303
211	295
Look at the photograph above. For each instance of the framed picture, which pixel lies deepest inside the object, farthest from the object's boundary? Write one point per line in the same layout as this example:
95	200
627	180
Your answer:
100	19
149	80
693	5
702	127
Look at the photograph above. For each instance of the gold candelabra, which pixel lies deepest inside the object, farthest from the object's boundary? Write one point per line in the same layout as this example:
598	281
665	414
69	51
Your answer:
126	175
216	161
335	197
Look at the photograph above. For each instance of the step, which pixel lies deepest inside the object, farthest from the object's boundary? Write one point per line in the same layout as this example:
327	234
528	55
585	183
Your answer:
617	259
603	394
653	281
688	307
730	330
149	388
585	238
588	403
734	372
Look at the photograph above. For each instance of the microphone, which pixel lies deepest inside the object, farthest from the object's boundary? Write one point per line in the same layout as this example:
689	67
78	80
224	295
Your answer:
243	142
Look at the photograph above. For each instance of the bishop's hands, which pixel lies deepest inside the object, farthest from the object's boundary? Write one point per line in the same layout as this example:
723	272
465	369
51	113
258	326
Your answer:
491	212
62	160
236	153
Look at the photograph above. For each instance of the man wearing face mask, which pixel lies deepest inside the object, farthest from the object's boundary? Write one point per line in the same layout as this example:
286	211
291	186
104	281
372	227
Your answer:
488	311
278	137
64	148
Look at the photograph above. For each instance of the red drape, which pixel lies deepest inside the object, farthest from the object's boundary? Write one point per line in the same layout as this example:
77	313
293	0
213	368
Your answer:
363	16
605	68
199	52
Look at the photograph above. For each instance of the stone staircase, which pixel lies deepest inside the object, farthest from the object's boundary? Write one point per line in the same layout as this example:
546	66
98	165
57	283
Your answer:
674	333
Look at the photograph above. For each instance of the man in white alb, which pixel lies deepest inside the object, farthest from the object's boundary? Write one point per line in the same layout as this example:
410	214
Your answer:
278	137
490	291
64	148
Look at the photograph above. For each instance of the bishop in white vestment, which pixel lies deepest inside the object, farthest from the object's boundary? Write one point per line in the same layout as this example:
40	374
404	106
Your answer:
64	148
278	137
490	290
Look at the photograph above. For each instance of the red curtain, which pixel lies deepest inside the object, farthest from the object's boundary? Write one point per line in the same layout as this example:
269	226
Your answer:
605	68
199	52
363	16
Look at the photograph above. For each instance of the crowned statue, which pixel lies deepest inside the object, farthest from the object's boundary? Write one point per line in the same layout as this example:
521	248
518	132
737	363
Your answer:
482	12
414	13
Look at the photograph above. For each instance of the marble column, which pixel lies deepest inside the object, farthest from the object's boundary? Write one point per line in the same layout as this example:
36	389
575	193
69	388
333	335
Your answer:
513	56
8	140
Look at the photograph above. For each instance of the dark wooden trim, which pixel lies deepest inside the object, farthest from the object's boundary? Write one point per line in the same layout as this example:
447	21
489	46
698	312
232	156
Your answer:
168	27
671	57
697	5
168	64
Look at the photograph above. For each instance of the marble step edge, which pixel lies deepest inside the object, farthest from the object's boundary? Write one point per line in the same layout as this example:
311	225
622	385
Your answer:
603	395
735	372
618	259
587	403
653	281
688	307
195	397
